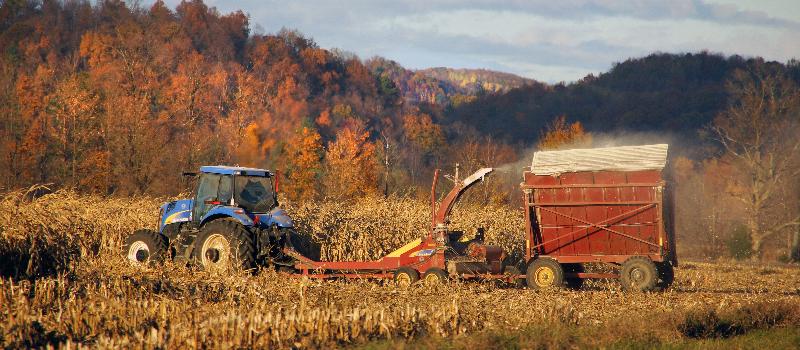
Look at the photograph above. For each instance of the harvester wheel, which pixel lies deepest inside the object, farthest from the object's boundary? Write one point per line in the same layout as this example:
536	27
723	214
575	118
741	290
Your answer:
223	245
574	282
666	274
512	273
639	274
404	277
545	273
145	246
435	276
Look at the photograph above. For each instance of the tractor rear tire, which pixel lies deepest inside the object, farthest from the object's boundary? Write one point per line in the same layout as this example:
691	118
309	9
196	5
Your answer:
545	273
435	276
144	247
404	277
574	282
666	274
512	273
639	274
225	245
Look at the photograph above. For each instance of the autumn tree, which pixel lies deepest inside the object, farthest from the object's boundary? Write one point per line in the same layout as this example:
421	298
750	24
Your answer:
760	133
560	134
706	216
477	152
423	142
350	166
303	156
78	133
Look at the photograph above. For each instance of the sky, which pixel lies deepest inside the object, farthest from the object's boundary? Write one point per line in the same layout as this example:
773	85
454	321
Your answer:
546	40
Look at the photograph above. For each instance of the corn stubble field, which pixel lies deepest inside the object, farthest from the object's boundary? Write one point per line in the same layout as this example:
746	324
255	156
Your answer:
65	284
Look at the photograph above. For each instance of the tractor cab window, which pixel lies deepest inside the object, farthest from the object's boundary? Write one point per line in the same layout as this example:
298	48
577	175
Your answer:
207	191
254	193
225	189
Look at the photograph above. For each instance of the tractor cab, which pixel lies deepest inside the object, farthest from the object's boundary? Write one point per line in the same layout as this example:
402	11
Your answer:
252	190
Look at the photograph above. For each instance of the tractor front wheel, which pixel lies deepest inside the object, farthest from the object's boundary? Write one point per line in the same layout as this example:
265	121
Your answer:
225	245
545	273
145	246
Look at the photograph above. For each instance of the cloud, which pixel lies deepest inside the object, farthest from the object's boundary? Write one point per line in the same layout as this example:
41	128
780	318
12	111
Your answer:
547	40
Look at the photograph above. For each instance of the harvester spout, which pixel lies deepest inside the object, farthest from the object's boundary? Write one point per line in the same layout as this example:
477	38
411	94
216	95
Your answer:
441	215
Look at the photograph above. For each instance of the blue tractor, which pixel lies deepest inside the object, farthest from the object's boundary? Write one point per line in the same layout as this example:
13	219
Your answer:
233	221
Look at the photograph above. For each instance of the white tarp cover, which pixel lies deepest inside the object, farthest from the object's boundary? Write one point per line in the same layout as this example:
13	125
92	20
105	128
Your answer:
625	158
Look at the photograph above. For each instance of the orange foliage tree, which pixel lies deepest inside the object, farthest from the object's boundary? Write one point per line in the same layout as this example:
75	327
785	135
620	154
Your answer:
350	165
560	135
303	162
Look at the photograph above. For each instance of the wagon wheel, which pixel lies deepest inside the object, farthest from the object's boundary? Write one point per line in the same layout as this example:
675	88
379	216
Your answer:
404	277
545	273
639	274
435	276
512	275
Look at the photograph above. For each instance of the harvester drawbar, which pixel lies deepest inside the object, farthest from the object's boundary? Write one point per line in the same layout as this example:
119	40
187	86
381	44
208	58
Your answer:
439	254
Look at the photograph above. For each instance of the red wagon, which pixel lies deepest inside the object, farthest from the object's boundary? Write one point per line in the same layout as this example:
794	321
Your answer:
604	205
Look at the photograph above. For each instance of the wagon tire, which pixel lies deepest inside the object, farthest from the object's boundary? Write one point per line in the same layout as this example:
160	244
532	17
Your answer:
639	274
435	276
545	273
666	274
225	245
404	277
574	282
511	273
145	247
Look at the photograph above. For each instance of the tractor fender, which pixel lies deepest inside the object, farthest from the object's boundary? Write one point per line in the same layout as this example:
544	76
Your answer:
279	217
175	211
227	212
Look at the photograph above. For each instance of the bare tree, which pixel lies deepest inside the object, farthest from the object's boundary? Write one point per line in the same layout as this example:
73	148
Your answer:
759	133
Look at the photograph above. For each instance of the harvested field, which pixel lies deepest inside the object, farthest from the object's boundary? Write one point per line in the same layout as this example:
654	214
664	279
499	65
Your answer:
65	283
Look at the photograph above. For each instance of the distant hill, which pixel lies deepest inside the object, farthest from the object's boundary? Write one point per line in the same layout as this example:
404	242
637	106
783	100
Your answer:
473	81
675	93
443	86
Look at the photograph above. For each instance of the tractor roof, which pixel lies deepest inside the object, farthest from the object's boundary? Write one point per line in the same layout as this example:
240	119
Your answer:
234	170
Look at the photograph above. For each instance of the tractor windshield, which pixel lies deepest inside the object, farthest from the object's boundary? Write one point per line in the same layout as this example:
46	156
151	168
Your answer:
254	193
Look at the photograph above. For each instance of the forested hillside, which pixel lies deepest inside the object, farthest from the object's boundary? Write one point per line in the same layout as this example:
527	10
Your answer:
678	93
113	98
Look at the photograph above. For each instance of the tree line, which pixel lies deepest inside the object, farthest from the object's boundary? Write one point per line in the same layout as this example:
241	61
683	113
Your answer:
119	99
114	98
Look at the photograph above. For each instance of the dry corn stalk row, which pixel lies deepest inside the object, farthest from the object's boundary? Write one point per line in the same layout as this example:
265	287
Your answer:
106	303
373	227
97	299
50	232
